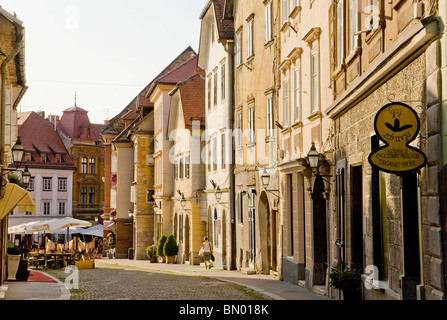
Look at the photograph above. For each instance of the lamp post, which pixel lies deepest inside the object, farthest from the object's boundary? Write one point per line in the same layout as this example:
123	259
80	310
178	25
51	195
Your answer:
218	194
183	201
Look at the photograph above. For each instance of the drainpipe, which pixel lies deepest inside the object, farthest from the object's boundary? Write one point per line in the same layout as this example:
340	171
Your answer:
17	47
443	16
230	52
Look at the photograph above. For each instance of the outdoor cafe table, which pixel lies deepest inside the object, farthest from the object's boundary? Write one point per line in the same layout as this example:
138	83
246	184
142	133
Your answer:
56	256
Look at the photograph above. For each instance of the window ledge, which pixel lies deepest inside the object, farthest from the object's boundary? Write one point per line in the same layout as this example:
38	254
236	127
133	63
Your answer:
251	144
315	115
294	12
285	26
354	53
297	124
268	43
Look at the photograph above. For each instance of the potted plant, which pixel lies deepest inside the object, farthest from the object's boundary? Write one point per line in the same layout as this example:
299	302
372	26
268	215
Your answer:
347	280
130	253
13	262
170	249
160	253
151	253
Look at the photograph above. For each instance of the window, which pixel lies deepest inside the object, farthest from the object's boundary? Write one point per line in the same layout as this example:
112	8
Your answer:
62	184
251	125
269	117
187	166
31	184
223	155
315	92
47	184
180	162
46	208
268	22
176	168
214	153
84	165
215	89
238	49
45	157
59	157
222	82
250	38
353	24
241	207
91	195
149	195
212	33
297	105
61	208
285	102
340	33
92	166
285	11
239	129
209	156
216	230
209	93
83	195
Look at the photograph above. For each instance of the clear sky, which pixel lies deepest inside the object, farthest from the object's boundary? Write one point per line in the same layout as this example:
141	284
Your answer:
106	51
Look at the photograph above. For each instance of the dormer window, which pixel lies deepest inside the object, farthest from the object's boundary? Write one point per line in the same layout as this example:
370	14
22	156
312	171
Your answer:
45	157
59	158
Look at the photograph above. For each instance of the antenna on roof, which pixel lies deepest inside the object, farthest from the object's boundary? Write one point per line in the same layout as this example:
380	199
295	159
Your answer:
75	99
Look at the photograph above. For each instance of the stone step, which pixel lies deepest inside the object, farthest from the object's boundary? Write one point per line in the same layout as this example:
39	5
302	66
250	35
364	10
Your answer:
321	290
248	271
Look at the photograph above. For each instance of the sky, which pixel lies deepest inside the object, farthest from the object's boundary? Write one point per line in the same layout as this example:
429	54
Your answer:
104	51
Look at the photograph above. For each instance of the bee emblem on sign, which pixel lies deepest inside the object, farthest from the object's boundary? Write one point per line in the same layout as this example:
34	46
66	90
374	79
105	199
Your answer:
397	125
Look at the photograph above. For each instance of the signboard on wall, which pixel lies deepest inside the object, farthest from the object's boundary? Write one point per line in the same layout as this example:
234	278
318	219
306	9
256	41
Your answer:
397	125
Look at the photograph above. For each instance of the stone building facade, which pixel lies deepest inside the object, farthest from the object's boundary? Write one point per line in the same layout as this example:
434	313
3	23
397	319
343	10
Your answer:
385	223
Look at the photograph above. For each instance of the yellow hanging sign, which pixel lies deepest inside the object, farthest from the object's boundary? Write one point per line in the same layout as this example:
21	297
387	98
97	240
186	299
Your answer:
397	125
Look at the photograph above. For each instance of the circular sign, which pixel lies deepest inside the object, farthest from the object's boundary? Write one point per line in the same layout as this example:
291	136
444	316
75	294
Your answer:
397	125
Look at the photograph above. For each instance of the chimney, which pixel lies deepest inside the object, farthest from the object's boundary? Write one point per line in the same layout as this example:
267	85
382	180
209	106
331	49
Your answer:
41	113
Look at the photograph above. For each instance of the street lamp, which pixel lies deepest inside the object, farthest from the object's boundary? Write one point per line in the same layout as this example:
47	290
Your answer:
183	201
313	156
18	151
265	178
26	176
218	194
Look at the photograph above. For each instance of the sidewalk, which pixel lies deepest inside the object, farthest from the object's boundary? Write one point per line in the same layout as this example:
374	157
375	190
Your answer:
264	284
22	290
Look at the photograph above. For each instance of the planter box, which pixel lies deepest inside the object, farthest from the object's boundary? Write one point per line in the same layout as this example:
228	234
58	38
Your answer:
13	266
170	259
162	259
85	264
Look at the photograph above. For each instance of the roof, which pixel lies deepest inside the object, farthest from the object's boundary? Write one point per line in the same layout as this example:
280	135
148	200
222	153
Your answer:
192	95
116	125
225	27
181	73
38	136
75	123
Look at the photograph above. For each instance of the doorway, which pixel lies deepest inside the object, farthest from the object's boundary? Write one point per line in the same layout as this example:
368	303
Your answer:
357	217
319	232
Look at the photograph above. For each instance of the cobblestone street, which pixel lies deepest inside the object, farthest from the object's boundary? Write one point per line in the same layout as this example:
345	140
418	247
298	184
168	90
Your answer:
127	283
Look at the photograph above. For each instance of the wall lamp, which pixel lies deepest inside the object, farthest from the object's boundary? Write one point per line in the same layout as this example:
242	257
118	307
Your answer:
313	158
17	155
265	178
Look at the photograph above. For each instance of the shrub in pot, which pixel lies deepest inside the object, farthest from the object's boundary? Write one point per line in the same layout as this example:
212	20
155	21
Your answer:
170	248
130	253
347	280
151	252
13	259
160	253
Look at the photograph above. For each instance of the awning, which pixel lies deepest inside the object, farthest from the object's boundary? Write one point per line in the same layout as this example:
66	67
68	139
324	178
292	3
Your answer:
16	196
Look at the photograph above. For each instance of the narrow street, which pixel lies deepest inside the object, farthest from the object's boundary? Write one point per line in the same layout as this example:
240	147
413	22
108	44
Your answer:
112	282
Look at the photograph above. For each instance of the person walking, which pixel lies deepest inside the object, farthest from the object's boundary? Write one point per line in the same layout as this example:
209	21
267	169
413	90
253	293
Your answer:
207	250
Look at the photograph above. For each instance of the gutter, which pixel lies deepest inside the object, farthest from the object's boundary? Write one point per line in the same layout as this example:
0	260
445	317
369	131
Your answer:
17	48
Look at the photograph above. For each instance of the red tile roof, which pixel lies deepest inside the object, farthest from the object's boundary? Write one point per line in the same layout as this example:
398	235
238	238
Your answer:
75	123
192	95
224	27
38	136
181	73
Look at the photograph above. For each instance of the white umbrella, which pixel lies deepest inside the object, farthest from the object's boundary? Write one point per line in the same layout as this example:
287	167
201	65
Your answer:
55	225
23	228
96	231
